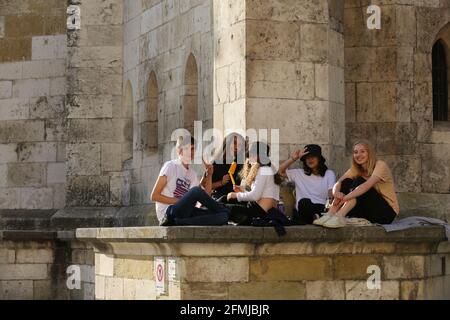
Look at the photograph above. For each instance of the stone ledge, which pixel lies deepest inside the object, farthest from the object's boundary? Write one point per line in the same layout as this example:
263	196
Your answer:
25	235
23	219
72	218
233	234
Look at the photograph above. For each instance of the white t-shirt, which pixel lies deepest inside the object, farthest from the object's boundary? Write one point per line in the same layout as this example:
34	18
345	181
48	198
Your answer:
311	187
179	181
263	187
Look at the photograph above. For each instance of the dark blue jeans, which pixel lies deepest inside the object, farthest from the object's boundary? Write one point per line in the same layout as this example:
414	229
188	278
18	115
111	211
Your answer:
184	212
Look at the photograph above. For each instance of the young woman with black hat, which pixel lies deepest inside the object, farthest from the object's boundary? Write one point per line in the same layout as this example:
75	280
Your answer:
313	183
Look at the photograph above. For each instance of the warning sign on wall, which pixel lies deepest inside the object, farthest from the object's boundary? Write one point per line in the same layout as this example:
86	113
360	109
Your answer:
160	276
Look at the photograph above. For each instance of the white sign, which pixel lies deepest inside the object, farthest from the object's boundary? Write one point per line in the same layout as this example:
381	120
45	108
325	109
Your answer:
160	276
172	269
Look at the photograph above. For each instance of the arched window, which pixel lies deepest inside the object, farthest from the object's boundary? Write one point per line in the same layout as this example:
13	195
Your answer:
127	150
440	83
149	124
190	98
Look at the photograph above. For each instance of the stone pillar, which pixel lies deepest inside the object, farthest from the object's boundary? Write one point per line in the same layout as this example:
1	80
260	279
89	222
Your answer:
279	65
98	126
229	65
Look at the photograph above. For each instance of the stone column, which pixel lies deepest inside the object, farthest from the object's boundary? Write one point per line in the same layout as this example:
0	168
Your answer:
97	123
279	65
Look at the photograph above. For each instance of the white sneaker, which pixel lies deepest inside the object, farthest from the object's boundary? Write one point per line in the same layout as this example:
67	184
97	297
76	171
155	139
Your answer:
335	222
323	219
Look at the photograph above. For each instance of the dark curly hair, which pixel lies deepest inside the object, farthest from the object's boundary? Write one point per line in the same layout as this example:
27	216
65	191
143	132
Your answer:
322	168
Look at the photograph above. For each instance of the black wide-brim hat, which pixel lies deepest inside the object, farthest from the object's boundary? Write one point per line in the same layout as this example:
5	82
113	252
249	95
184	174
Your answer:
313	150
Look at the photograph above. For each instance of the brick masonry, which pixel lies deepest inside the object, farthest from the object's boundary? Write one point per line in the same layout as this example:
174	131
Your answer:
36	269
33	53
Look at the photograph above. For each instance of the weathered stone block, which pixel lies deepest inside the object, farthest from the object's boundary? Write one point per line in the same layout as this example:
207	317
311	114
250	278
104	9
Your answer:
268	40
358	290
314	42
408	267
23	271
271	290
8	153
104	265
133	268
37	152
31	88
36	198
26	174
90	191
291	10
44	69
9	198
114	288
204	291
354	267
290	268
5	89
412	290
7	256
100	288
43	290
49	47
56	173
325	290
34	256
84	159
47	107
16	290
214	269
280	79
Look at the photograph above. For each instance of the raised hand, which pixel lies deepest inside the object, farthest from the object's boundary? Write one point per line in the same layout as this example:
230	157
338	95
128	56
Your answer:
297	154
208	167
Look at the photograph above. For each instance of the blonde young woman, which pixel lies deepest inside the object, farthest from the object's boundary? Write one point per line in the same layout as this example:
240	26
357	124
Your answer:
366	191
262	183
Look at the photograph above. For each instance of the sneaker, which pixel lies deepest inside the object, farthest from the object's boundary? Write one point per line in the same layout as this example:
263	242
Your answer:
322	220
335	222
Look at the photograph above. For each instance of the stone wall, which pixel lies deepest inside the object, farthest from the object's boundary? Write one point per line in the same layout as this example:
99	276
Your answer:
168	64
33	266
389	90
33	56
253	263
99	126
279	65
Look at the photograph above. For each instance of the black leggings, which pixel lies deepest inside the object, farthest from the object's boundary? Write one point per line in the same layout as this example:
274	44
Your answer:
306	211
371	205
242	213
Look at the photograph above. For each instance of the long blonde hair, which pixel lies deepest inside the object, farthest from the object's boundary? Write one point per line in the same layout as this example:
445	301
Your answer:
357	170
249	172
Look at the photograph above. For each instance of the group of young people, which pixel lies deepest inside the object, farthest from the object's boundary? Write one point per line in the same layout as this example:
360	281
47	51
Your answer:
241	184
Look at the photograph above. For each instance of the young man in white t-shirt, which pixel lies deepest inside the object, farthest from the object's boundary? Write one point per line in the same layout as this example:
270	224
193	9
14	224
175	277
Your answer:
178	190
313	183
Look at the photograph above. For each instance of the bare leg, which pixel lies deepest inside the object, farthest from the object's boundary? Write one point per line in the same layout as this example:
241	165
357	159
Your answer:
346	208
335	206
